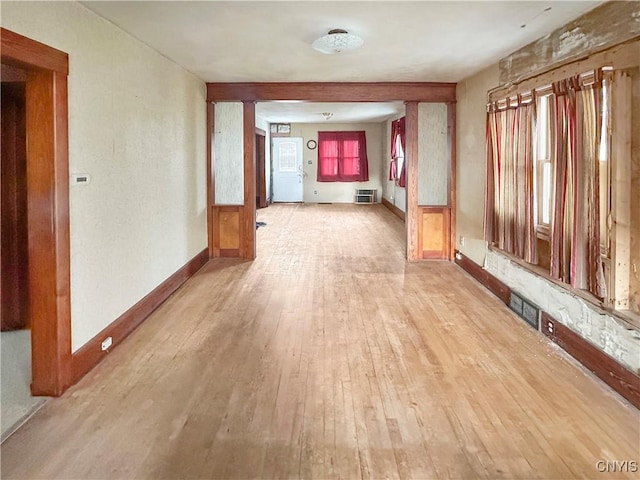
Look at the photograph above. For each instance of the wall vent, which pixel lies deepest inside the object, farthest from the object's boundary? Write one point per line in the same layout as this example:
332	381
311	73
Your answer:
525	309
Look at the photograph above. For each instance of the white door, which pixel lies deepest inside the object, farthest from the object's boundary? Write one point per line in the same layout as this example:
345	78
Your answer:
288	173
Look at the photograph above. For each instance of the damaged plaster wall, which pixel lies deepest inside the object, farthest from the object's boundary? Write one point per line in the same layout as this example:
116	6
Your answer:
609	334
603	27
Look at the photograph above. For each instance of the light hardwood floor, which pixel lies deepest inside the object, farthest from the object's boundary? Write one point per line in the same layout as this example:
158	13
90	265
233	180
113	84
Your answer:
330	357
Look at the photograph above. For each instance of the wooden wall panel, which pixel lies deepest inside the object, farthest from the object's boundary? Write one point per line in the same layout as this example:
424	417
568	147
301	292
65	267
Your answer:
434	230
228	230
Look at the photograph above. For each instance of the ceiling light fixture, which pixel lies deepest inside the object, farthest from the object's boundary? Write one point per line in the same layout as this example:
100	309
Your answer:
326	115
336	41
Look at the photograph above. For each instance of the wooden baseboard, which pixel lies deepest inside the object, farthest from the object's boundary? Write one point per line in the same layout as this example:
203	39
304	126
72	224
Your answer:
499	289
91	353
395	210
623	381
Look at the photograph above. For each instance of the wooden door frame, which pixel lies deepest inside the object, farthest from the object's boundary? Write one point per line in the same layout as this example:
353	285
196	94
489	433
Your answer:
261	192
412	93
48	208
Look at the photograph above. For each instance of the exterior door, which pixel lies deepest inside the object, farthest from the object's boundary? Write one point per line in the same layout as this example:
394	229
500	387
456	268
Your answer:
288	173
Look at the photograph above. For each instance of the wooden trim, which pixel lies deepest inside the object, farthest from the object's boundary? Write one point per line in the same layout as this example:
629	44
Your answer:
623	381
411	161
499	289
26	53
395	210
452	179
91	353
210	178
621	161
48	208
333	91
248	237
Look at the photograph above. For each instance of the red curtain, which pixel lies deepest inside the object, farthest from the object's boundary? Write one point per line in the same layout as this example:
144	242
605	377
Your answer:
342	157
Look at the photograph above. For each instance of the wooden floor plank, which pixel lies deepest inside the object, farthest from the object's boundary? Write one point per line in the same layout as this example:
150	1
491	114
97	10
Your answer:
329	356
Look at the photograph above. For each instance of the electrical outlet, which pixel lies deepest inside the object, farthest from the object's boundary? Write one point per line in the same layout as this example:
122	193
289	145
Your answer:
550	327
461	241
106	343
315	192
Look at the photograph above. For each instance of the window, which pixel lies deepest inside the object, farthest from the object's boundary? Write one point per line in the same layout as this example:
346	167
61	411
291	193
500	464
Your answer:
543	171
554	184
399	154
342	157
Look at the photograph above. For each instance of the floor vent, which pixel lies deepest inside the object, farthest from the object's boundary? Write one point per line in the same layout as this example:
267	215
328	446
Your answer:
525	309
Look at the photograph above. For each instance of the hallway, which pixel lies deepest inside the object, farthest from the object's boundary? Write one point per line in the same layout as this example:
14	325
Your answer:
330	357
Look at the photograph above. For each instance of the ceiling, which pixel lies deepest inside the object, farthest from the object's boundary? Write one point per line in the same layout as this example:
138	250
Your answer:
309	112
263	41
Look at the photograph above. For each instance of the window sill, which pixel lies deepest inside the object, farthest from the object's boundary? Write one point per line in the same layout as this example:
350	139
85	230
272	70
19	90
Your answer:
542	232
628	318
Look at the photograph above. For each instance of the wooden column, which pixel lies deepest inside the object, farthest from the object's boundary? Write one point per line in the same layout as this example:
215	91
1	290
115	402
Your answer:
48	220
411	160
248	240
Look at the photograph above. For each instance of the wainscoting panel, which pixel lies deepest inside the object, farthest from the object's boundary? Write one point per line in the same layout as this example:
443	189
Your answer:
434	230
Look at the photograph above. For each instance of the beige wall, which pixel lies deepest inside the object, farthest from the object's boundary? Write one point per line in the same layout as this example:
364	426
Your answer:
137	126
228	153
338	192
471	161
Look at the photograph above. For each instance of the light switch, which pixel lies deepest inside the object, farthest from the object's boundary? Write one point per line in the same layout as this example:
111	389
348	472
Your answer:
80	179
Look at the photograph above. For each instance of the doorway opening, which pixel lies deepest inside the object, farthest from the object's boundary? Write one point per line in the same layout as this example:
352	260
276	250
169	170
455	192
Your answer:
35	215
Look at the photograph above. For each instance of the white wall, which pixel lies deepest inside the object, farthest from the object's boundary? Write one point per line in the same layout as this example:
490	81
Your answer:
228	153
137	125
433	154
338	192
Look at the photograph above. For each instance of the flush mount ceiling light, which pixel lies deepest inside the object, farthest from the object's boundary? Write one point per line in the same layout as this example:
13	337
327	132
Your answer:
326	115
336	41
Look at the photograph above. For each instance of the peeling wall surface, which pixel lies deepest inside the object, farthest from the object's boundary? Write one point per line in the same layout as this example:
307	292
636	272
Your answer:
603	27
433	154
607	333
228	153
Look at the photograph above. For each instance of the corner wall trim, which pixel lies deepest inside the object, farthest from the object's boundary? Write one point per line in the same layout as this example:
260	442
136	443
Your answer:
623	381
395	210
91	353
499	289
